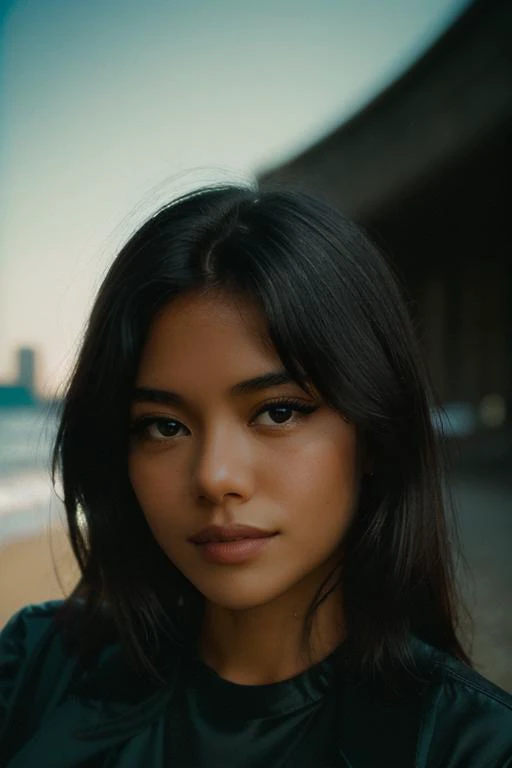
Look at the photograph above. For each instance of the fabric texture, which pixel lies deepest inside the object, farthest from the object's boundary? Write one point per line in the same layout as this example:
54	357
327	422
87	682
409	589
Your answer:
57	713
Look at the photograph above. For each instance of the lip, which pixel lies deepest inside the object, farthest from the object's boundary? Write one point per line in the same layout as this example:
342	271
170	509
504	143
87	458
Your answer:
233	552
229	533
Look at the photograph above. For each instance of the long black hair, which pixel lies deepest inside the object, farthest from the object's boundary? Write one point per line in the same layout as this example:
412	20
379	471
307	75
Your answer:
335	314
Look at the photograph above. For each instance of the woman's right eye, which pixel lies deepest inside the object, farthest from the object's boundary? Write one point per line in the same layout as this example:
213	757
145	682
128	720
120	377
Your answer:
157	428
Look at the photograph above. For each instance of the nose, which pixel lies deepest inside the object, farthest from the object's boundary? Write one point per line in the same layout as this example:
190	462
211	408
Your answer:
224	467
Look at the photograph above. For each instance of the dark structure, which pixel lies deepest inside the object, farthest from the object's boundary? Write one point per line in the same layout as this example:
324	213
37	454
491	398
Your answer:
426	168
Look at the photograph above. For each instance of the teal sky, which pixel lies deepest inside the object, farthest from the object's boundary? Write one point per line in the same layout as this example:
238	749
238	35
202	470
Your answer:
110	106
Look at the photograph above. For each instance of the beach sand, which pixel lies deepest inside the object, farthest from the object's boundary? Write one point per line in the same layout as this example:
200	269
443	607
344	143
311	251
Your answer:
34	569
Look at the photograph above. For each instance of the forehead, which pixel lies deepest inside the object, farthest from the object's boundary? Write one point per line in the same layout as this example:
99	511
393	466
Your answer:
206	337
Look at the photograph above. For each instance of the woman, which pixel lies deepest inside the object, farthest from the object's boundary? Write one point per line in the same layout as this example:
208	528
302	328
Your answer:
255	501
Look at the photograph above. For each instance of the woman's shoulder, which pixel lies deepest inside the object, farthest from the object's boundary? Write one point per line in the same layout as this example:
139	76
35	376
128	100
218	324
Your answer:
41	664
32	661
48	690
21	640
29	624
31	633
35	631
46	686
38	648
447	716
448	673
467	719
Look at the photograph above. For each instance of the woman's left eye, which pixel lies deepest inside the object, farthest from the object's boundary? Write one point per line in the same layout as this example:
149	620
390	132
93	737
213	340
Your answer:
156	428
281	412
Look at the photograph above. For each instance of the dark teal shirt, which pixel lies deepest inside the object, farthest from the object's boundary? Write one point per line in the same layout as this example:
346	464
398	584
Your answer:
54	713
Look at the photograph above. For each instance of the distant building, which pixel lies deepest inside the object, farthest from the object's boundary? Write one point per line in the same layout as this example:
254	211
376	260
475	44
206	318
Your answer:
26	368
21	393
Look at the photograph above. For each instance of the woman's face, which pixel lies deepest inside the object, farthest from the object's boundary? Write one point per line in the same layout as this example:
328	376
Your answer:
204	453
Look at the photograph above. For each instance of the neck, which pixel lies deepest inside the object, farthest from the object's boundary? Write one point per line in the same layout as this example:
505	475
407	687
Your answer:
262	645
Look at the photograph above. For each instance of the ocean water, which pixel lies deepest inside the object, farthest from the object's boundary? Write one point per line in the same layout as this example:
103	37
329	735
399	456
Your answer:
28	502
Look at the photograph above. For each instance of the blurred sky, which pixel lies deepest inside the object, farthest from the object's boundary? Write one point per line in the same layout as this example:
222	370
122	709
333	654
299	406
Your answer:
110	106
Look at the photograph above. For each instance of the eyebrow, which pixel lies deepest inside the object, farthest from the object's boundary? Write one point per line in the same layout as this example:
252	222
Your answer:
258	383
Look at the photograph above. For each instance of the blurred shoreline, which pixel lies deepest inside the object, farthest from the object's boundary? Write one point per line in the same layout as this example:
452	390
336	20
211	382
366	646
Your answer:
36	562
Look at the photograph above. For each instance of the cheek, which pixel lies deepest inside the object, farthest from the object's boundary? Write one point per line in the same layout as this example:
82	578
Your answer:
319	484
158	489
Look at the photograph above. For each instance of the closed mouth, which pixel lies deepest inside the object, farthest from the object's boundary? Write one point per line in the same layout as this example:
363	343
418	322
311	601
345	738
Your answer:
219	534
219	539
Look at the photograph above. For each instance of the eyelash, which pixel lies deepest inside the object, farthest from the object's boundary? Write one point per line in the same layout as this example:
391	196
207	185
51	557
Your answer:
140	426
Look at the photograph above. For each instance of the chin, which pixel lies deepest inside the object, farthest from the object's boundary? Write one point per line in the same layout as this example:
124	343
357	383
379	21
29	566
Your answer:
237	596
238	605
